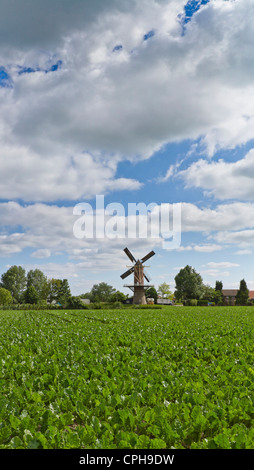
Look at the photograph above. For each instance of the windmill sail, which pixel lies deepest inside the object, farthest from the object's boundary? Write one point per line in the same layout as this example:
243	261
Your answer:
127	273
128	253
138	287
146	257
147	278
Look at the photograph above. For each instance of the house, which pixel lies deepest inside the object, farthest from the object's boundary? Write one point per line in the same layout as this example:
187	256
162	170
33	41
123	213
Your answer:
229	296
251	294
129	300
164	301
85	301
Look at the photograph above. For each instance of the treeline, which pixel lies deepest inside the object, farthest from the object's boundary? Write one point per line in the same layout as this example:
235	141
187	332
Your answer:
191	290
17	287
33	288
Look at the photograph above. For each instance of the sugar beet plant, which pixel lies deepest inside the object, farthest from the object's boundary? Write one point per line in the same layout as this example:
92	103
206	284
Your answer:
150	379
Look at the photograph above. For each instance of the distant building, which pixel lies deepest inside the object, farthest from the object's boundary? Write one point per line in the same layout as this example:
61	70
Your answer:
164	301
85	301
129	300
251	294
229	296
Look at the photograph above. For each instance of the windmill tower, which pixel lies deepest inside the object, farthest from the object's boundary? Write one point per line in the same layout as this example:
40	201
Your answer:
138	287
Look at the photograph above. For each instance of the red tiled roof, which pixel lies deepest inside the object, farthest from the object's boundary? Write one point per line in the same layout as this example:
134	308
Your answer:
251	294
229	292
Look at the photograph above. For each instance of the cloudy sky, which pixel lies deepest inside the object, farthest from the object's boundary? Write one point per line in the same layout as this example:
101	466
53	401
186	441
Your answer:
139	101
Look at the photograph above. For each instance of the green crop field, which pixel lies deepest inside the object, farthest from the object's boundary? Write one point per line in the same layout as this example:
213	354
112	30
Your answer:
128	378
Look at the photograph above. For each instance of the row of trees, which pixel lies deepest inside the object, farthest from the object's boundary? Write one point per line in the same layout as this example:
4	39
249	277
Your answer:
189	286
18	287
105	293
32	288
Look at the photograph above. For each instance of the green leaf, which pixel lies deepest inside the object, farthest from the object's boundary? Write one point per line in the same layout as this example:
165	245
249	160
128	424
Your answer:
17	443
15	422
157	444
34	444
222	441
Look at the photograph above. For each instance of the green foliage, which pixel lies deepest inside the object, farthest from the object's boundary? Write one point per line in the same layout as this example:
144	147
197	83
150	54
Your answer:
208	293
5	296
202	302
101	292
127	378
189	284
74	302
31	295
218	286
64	292
117	297
54	289
164	290
152	293
14	280
242	295
38	280
192	302
59	291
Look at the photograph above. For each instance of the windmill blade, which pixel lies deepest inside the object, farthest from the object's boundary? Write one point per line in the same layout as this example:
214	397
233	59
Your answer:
128	253
149	255
147	278
127	273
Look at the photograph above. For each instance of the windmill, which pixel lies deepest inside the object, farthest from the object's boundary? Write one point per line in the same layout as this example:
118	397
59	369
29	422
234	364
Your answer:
138	287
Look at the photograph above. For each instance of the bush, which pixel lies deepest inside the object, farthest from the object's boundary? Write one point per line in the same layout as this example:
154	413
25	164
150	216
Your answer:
42	304
5	296
191	302
116	304
203	302
146	306
96	305
74	302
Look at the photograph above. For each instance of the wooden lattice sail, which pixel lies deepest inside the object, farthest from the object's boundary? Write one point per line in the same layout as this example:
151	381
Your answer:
139	287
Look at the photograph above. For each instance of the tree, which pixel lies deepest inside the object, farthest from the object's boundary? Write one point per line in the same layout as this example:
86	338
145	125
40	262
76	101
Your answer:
218	296
38	280
242	295
31	295
207	293
14	280
152	293
164	290
5	296
86	295
101	292
188	283
74	302
58	291
54	286
218	286
117	297
64	292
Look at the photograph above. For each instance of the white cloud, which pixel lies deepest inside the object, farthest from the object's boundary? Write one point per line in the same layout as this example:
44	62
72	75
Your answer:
215	273
221	264
243	252
28	175
243	238
62	134
211	177
42	253
209	248
48	229
233	216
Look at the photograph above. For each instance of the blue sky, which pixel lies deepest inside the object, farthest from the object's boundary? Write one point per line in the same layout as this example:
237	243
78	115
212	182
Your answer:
137	104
